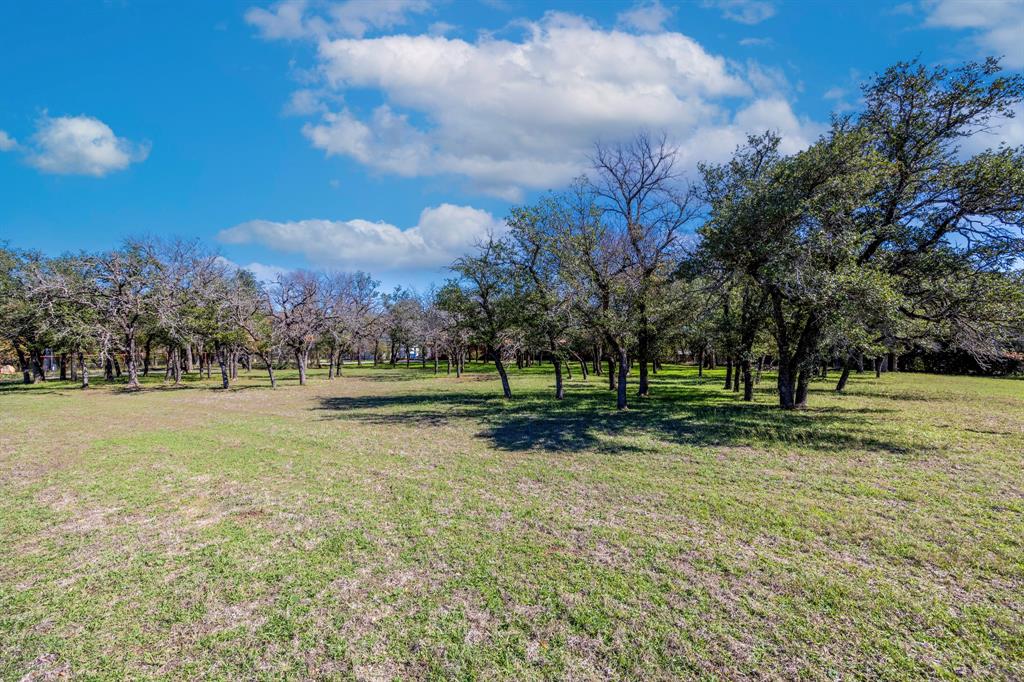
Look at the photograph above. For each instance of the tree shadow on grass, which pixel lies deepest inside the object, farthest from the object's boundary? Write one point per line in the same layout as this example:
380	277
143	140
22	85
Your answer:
678	412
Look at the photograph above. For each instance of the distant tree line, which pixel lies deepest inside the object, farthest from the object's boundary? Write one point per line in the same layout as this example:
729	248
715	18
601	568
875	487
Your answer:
883	240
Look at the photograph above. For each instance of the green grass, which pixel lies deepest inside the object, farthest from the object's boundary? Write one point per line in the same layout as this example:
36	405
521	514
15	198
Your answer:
391	524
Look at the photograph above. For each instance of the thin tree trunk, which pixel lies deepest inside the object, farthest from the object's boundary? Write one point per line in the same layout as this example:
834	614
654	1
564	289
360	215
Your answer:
505	388
559	389
222	361
643	349
145	356
728	373
623	369
611	374
85	369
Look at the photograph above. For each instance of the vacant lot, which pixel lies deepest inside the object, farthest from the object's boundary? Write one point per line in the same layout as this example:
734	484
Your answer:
391	524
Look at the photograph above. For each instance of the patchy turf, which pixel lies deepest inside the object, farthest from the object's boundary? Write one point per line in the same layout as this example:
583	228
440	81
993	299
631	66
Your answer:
391	524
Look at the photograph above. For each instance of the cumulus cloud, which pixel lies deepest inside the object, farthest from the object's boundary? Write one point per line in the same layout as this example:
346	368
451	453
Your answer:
442	234
81	145
292	19
996	25
510	114
744	11
646	16
7	143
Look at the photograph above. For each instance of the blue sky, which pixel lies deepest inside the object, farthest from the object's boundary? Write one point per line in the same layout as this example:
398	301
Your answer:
388	135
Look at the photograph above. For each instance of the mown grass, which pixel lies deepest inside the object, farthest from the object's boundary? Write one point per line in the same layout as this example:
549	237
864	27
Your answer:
392	524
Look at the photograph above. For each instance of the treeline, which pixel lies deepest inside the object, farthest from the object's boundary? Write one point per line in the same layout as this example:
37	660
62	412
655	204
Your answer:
882	239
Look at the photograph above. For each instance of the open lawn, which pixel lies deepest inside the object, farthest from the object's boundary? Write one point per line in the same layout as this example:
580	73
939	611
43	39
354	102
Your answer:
391	524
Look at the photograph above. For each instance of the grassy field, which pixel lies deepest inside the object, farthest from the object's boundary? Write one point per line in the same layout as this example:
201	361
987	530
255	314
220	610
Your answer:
391	524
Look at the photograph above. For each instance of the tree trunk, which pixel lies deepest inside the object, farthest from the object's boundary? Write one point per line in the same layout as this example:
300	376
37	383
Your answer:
268	361
643	349
728	373
878	368
26	370
787	385
223	362
85	369
340	363
583	369
620	403
506	390
330	364
189	363
38	373
63	366
145	356
748	380
559	389
700	364
803	382
845	375
611	374
133	369
300	360
108	368
736	377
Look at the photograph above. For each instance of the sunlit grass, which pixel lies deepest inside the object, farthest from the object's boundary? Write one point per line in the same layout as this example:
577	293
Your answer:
394	524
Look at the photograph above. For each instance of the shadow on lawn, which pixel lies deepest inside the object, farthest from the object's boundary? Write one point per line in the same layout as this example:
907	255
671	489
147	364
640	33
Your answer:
679	411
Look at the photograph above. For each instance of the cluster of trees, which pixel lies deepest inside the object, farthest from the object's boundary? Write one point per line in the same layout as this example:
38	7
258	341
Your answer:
882	238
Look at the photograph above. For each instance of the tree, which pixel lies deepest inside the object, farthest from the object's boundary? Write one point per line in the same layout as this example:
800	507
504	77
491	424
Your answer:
490	288
298	318
126	280
643	203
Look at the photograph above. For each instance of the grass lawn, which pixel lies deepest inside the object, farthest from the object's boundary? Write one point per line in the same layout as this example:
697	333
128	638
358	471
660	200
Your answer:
390	524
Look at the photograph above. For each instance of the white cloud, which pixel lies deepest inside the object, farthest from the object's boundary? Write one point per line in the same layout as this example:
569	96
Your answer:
442	234
1003	130
514	114
7	143
261	271
996	25
649	17
744	11
292	19
81	145
757	42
